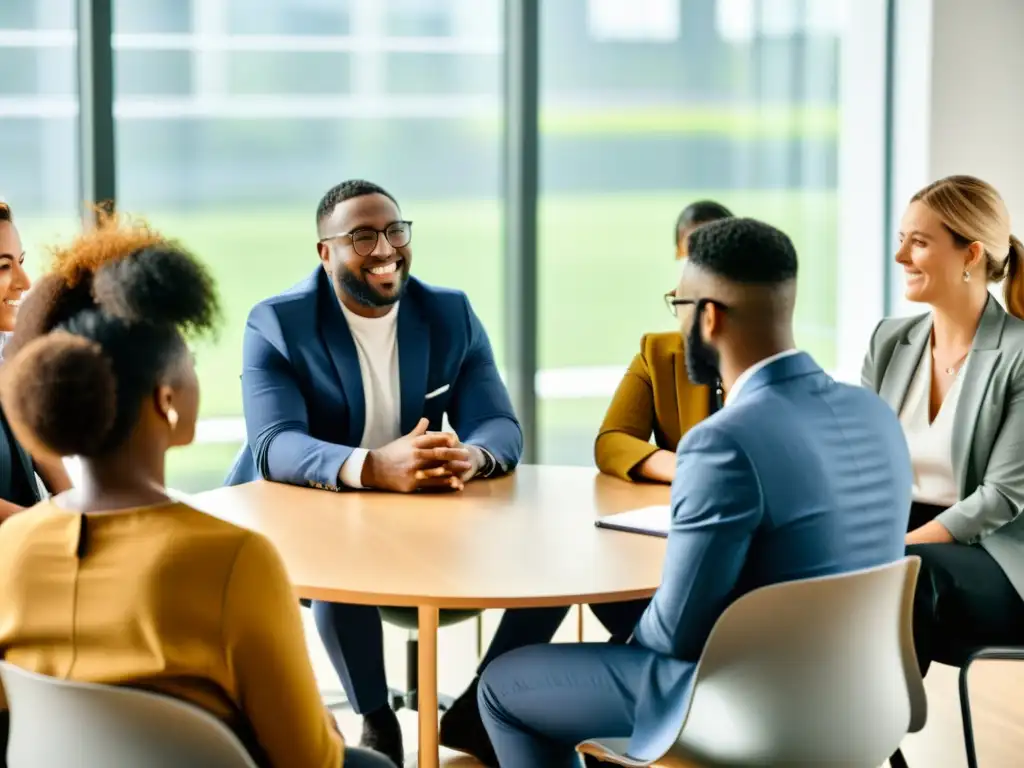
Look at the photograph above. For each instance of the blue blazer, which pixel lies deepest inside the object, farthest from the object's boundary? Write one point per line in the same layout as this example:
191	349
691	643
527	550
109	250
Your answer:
302	388
799	477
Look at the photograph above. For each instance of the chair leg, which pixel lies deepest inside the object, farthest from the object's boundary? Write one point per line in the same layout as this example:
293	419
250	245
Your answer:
965	714
410	699
896	760
412	672
479	636
994	653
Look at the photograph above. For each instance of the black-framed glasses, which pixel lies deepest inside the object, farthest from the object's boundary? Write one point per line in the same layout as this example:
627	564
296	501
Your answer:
674	304
364	239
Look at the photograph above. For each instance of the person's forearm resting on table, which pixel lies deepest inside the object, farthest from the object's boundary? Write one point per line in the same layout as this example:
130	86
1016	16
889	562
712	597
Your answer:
660	467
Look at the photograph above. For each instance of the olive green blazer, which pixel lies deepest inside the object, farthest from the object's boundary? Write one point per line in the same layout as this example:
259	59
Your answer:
655	397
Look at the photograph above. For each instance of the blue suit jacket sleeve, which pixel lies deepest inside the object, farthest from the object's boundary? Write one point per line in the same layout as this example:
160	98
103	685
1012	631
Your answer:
276	420
479	410
716	507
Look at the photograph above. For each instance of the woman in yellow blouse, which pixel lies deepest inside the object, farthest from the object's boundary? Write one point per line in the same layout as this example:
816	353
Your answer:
114	582
655	397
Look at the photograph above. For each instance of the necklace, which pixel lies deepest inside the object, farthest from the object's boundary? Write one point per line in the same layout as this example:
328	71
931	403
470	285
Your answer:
952	369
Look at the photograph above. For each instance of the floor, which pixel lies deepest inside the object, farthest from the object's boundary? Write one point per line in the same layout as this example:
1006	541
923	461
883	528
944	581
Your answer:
997	691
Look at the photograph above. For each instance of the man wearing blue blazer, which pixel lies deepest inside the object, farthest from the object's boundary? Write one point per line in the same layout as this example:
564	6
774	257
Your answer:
346	378
797	476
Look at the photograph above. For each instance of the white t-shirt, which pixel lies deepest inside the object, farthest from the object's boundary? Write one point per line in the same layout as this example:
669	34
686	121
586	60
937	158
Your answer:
376	340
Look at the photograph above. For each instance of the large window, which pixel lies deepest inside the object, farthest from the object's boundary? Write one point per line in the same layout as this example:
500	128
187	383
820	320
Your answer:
646	107
234	117
38	128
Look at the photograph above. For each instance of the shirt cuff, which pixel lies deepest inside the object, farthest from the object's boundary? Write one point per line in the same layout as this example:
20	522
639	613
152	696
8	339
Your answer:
960	526
351	474
492	464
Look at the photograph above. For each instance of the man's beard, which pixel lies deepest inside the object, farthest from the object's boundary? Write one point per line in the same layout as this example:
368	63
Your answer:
364	293
702	362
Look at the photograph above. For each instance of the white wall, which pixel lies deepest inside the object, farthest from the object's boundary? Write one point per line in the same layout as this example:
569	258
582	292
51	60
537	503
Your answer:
977	123
959	100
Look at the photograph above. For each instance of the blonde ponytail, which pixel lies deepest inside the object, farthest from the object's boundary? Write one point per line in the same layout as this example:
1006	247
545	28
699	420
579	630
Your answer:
1013	288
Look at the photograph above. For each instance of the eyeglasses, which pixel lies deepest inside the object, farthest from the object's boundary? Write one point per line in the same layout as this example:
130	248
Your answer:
364	239
673	303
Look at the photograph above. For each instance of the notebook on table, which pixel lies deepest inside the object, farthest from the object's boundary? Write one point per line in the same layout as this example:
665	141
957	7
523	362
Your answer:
652	521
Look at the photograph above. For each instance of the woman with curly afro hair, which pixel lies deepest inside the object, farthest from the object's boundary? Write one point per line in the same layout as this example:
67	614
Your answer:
115	582
18	486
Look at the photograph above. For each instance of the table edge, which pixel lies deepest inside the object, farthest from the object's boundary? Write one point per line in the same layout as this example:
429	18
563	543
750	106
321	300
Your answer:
483	603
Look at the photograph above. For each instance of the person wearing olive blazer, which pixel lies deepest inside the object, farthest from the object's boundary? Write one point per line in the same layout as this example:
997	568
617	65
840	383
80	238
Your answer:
655	397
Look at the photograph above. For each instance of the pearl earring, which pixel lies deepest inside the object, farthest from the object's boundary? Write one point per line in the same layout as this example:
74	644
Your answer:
967	276
172	418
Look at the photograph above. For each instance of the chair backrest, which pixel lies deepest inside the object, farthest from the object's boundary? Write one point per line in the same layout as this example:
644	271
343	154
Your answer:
60	724
814	672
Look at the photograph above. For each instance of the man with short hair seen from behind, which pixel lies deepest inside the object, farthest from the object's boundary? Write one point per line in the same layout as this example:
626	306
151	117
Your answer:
797	476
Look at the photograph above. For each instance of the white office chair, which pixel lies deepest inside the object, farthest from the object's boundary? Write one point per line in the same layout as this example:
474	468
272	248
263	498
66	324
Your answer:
814	672
62	724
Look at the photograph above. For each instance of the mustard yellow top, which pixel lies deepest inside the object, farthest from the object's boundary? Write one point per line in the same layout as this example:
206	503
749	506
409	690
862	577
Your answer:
170	600
655	397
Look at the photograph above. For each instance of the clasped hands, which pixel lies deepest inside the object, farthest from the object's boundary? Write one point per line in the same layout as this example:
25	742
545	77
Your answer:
422	461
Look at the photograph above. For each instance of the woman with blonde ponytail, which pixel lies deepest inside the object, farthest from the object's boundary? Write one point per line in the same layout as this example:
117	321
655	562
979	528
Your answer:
955	376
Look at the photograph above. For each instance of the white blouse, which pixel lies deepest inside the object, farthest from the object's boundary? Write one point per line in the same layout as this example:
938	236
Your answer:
931	444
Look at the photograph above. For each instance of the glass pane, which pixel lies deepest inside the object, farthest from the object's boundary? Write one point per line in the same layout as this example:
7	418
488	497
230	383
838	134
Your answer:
234	118
648	106
39	122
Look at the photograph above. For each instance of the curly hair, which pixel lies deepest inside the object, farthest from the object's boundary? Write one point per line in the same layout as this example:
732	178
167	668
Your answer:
744	251
98	333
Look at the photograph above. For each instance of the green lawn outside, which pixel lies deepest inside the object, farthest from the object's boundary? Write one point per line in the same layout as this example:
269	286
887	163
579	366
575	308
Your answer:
605	261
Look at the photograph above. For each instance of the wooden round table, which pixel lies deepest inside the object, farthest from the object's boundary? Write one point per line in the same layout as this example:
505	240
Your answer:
526	540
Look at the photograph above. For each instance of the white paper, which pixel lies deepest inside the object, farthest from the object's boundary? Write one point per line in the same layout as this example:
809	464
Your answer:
654	521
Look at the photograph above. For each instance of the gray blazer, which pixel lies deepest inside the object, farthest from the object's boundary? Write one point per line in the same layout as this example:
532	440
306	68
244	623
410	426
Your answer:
988	428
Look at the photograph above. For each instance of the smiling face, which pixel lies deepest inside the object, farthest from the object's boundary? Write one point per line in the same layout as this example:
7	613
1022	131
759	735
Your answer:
934	261
13	279
368	278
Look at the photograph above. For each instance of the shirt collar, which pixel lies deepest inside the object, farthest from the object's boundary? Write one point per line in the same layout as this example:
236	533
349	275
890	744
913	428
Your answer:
748	374
388	320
